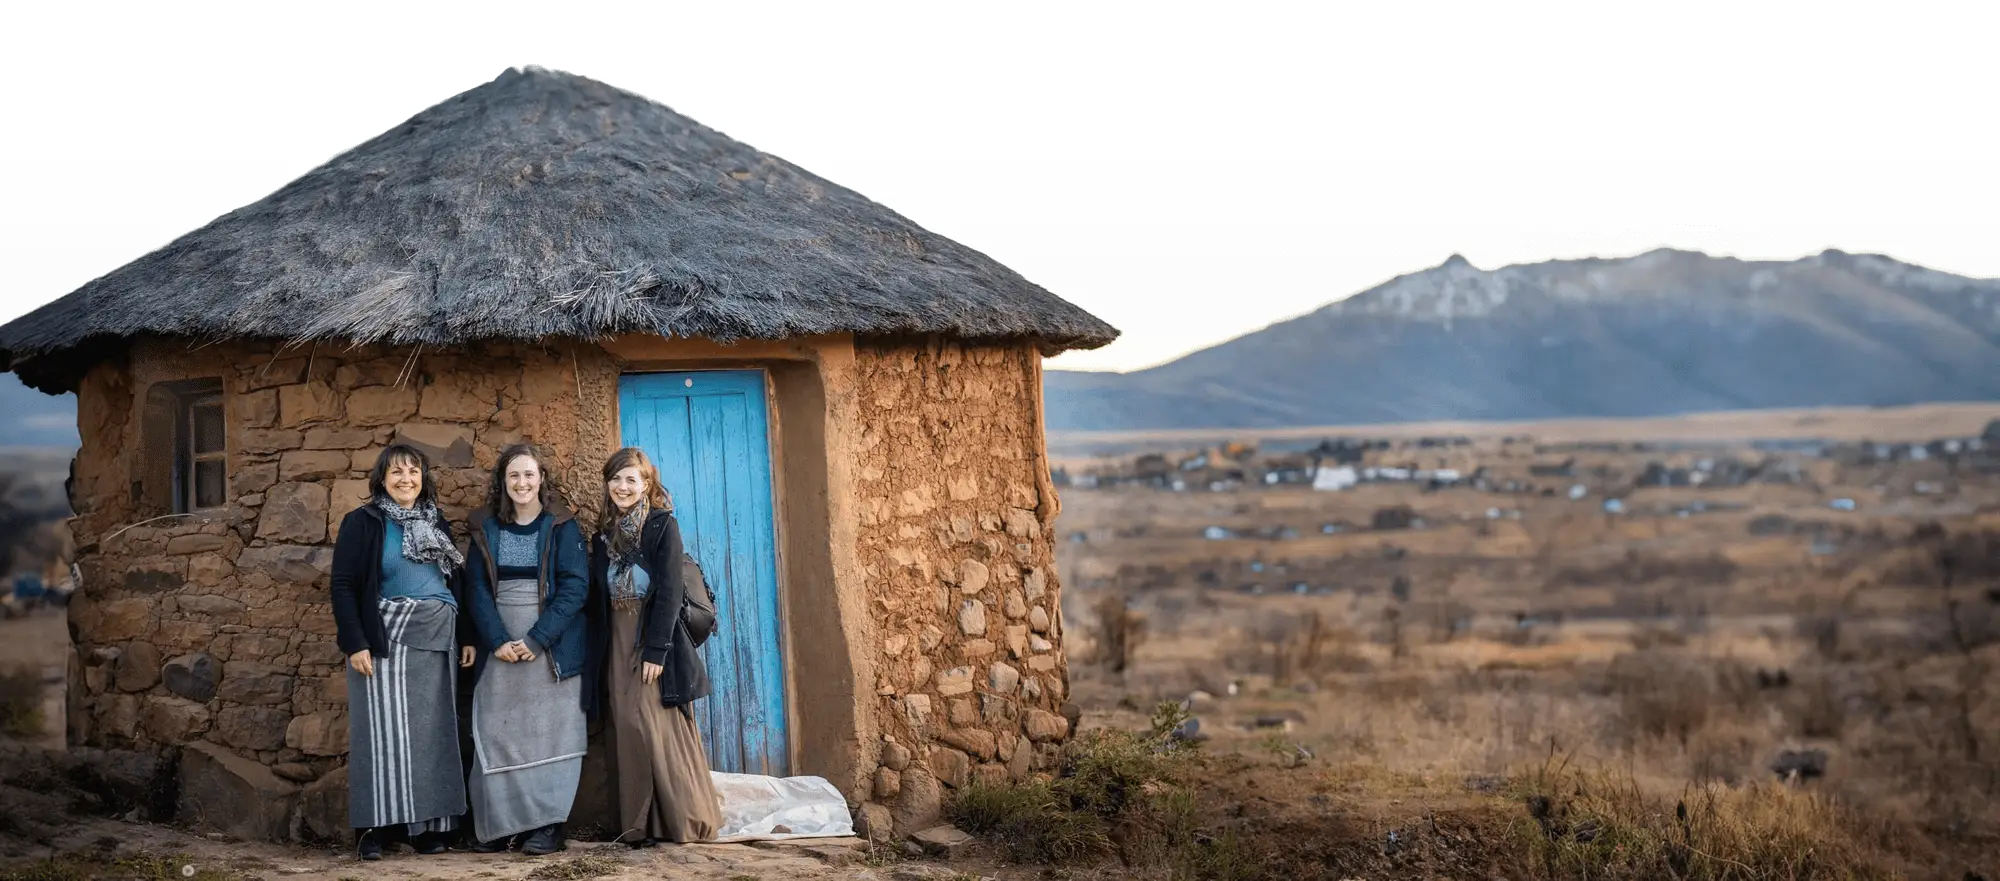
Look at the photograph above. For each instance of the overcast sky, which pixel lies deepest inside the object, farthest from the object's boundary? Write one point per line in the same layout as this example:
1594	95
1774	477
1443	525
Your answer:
1188	176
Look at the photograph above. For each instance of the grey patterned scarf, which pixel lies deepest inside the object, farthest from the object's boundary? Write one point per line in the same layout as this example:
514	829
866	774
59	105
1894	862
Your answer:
424	540
625	551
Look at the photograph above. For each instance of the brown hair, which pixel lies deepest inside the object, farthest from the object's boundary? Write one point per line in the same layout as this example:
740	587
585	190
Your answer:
381	471
499	503
656	495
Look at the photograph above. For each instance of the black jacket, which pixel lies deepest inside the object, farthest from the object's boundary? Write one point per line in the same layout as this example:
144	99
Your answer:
357	584
663	639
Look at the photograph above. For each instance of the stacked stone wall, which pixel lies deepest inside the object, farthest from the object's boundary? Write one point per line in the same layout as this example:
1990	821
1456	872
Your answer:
955	544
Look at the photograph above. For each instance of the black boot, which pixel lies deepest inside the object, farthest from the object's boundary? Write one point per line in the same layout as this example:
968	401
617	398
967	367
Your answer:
428	843
368	843
497	845
546	840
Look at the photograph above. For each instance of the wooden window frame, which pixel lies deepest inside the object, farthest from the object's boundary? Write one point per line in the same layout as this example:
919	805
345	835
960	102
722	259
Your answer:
188	404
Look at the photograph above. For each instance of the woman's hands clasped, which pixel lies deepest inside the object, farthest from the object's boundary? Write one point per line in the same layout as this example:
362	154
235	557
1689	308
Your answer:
514	652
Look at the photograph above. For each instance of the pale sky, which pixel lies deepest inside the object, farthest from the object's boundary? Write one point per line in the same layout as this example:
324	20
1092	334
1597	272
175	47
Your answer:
1188	176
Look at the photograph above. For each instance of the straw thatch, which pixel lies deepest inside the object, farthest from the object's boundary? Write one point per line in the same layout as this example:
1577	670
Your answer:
544	204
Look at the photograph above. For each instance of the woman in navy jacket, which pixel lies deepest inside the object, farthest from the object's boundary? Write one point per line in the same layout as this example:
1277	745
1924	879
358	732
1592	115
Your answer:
527	576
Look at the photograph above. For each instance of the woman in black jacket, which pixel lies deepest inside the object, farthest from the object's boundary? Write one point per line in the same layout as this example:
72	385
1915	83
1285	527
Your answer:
397	593
652	671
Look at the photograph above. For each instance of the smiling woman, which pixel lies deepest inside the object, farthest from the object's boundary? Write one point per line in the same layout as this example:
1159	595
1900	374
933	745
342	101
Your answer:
396	599
527	577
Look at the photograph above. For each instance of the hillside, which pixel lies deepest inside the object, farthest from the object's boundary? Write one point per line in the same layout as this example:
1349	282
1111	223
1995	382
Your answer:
1662	333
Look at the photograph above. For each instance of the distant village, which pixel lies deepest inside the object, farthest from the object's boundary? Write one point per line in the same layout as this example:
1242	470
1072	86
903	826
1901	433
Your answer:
1603	472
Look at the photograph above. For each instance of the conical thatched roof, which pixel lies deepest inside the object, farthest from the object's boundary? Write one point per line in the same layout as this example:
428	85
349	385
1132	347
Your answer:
543	204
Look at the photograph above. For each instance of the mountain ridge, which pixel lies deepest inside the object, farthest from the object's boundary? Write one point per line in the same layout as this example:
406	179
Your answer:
1660	333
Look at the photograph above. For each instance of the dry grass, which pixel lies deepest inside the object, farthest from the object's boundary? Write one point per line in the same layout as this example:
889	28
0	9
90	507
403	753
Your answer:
575	869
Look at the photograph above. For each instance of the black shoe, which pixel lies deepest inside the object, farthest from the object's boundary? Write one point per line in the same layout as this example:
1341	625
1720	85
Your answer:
428	843
368	844
642	843
497	845
543	841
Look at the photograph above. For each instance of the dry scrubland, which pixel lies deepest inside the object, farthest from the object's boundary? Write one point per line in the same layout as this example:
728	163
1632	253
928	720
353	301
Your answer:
1570	693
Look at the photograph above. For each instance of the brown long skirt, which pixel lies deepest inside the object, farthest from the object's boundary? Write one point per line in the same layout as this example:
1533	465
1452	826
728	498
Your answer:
664	790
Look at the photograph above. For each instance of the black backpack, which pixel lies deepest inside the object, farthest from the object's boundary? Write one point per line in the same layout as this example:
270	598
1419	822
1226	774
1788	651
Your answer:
698	609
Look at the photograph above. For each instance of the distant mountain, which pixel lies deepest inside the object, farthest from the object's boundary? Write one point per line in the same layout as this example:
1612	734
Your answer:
1662	333
29	418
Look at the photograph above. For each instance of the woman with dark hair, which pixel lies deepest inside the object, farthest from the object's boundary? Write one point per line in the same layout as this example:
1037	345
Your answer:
396	601
527	576
652	670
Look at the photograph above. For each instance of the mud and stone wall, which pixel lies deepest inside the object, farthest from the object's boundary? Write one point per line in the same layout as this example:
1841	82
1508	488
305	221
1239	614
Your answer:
215	626
954	541
915	519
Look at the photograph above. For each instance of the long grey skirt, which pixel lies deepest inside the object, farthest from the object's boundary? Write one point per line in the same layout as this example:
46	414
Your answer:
528	732
402	724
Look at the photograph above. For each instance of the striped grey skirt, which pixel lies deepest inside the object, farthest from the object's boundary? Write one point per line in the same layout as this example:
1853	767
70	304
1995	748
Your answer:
402	723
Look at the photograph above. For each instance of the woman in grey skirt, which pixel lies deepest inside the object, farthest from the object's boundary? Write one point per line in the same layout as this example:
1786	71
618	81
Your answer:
527	577
396	592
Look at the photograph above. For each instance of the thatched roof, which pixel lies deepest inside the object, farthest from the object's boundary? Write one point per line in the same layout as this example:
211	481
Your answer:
540	205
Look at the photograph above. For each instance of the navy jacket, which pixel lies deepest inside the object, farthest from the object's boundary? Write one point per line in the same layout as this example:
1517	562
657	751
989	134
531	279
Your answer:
357	584
559	634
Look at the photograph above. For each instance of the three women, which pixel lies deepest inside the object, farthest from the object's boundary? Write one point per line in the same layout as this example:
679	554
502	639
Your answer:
550	635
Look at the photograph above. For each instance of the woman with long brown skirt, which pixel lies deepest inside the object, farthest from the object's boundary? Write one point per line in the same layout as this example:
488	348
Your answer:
652	671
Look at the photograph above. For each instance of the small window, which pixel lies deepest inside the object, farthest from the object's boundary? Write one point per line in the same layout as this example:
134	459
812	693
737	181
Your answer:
202	467
183	445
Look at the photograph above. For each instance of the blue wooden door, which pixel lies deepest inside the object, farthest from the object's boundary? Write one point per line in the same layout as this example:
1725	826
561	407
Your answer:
708	432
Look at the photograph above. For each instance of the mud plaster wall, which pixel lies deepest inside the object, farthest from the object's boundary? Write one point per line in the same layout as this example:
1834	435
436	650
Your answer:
216	626
954	539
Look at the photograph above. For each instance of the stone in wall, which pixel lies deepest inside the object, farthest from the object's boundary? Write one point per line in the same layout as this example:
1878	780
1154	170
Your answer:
253	728
293	512
246	682
193	676
307	403
337	441
224	792
287	564
953	768
380	405
173	720
1045	727
447	446
137	667
318	734
323	807
312	464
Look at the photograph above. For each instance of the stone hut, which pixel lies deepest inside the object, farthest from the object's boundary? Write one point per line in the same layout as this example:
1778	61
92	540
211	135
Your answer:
846	407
